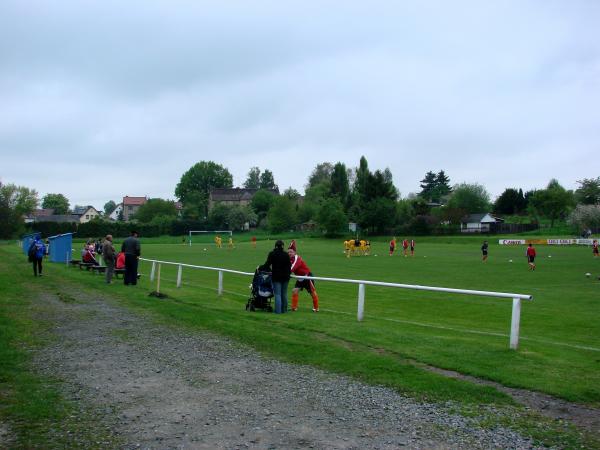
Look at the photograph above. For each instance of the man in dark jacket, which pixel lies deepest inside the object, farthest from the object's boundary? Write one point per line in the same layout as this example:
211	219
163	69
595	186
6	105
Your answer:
132	249
279	263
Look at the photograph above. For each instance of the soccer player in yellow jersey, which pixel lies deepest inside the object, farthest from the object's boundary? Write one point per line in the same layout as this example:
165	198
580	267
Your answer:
230	243
363	247
348	248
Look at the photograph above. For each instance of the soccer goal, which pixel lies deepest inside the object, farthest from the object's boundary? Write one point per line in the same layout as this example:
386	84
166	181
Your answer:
191	233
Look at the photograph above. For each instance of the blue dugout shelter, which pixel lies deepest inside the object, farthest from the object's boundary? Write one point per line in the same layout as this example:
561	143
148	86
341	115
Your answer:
61	247
28	239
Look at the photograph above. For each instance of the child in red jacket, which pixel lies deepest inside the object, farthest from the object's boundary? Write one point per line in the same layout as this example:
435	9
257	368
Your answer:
300	268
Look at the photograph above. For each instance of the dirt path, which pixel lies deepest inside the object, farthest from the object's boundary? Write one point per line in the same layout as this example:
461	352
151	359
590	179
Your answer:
157	387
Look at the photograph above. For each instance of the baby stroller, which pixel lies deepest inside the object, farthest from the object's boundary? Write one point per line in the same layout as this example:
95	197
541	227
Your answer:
262	291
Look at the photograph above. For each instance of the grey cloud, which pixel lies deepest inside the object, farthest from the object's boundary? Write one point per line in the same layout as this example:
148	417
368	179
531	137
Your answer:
465	86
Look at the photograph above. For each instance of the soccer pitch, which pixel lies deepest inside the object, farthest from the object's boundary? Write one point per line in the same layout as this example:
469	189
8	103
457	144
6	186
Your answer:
559	349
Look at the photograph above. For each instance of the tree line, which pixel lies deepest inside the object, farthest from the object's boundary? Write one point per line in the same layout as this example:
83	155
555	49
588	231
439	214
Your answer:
334	196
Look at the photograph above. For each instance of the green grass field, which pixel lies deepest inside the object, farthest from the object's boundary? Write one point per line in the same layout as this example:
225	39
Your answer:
559	349
403	330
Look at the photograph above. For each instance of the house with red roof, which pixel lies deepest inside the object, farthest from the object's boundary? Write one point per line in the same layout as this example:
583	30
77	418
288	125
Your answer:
131	206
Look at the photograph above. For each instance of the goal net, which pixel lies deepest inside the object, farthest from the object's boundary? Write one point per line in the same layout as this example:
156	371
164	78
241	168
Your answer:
206	236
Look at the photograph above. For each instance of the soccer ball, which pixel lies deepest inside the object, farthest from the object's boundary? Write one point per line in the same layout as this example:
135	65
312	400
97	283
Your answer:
510	260
588	274
374	255
204	249
549	256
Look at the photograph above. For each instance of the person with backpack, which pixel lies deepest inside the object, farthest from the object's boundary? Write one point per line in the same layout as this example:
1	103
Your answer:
36	253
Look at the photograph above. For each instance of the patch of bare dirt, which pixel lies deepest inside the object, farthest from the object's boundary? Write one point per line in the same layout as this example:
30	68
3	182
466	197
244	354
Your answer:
579	415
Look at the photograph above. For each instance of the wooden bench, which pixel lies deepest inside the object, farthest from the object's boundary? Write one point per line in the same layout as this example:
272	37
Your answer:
99	269
74	262
87	266
119	272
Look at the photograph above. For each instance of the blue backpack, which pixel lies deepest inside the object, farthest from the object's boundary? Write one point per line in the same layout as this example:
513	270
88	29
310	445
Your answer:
31	252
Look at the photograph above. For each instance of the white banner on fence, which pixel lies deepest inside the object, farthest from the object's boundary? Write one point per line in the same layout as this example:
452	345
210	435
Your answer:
546	241
511	242
560	241
585	241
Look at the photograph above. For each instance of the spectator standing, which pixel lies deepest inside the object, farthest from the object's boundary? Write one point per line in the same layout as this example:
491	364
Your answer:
484	251
132	249
595	248
412	247
108	253
37	251
278	262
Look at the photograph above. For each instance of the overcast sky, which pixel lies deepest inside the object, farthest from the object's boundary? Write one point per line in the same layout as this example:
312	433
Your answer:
101	99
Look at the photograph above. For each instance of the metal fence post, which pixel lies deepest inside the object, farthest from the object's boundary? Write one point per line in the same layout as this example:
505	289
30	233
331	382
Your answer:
152	271
158	281
361	302
515	323
220	289
179	276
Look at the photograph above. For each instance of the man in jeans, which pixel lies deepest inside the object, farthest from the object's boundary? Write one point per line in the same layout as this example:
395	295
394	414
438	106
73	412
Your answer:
108	253
132	249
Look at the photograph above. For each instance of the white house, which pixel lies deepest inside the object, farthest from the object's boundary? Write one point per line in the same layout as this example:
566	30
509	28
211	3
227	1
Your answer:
478	223
85	213
117	211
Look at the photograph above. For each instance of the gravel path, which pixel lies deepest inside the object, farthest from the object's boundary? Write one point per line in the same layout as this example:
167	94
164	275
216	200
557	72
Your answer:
158	387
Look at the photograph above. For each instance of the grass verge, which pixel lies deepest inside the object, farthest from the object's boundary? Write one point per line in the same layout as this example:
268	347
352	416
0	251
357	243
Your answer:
32	407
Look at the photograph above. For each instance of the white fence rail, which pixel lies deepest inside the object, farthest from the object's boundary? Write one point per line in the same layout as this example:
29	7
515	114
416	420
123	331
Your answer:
516	298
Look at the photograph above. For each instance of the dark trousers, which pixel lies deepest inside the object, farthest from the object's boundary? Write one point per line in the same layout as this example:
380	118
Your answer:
110	269
37	266
131	267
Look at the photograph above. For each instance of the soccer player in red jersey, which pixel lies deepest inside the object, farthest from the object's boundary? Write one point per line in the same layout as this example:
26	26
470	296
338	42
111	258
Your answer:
300	268
595	248
405	247
531	256
392	246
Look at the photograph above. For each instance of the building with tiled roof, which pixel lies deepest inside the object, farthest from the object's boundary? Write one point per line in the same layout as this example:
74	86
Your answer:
233	196
131	206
